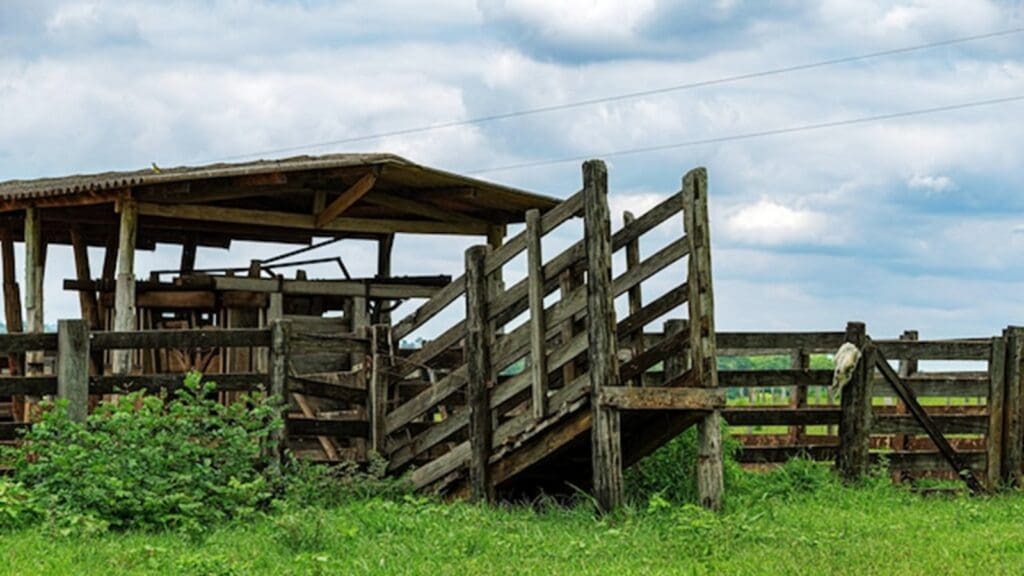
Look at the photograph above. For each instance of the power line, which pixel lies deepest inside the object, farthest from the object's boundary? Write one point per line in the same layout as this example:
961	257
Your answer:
629	95
751	135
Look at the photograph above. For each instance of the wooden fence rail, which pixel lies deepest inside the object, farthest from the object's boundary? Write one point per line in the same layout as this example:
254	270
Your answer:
73	342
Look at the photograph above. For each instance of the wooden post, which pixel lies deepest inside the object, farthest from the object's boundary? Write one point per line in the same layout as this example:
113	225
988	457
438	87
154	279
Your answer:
360	324
1013	431
385	247
800	360
901	442
703	346
677	364
380	376
12	296
538	327
280	335
853	460
73	367
35	265
188	256
602	348
635	294
567	282
124	297
996	407
478	350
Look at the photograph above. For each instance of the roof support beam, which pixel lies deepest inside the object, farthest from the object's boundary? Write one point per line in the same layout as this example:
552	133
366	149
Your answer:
291	220
346	200
420	208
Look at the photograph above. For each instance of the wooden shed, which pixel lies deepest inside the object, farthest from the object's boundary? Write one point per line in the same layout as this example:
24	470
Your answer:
306	201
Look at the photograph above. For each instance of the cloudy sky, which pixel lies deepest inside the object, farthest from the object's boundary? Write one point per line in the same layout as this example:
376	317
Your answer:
910	223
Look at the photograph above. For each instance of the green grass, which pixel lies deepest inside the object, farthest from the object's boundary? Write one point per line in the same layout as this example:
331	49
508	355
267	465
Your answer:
797	525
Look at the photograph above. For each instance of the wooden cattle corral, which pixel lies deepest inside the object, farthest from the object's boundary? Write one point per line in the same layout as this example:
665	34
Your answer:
487	408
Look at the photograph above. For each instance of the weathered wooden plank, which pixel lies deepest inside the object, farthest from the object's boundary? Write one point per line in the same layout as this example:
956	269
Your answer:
634	294
200	213
799	360
568	208
945	424
417	287
86	299
678	344
415	207
1013	402
340	343
773	378
28	385
703	343
279	364
633	398
439	467
936	349
35	267
996	407
438	302
342	386
538	328
380	384
199	299
73	367
202	338
24	342
481	374
124	298
855	421
304	426
633	325
605	434
156	383
347	198
778	341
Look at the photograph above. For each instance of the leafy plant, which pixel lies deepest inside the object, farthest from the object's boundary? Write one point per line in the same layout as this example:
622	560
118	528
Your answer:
152	462
670	472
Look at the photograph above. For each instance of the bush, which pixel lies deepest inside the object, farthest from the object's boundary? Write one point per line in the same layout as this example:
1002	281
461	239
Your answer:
317	485
152	462
671	474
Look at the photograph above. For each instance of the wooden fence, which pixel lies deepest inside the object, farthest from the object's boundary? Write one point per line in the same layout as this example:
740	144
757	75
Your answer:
72	344
777	414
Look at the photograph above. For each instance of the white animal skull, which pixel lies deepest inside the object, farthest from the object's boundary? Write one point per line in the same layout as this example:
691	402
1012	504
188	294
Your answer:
846	362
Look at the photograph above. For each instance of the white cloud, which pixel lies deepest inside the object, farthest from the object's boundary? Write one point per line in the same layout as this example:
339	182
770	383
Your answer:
931	183
768	222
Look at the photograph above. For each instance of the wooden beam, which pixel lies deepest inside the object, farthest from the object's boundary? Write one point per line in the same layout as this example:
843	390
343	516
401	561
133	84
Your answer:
124	298
73	367
86	298
268	218
703	344
420	208
538	328
855	422
12	295
481	376
606	441
342	203
633	398
35	265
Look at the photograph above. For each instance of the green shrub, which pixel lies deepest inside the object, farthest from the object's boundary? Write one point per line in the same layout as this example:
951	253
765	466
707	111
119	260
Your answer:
18	506
670	472
309	484
152	462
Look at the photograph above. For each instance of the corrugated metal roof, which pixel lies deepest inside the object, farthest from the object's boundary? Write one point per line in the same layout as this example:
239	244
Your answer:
25	191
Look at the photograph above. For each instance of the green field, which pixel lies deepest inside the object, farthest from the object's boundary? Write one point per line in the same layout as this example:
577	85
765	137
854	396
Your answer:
792	525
